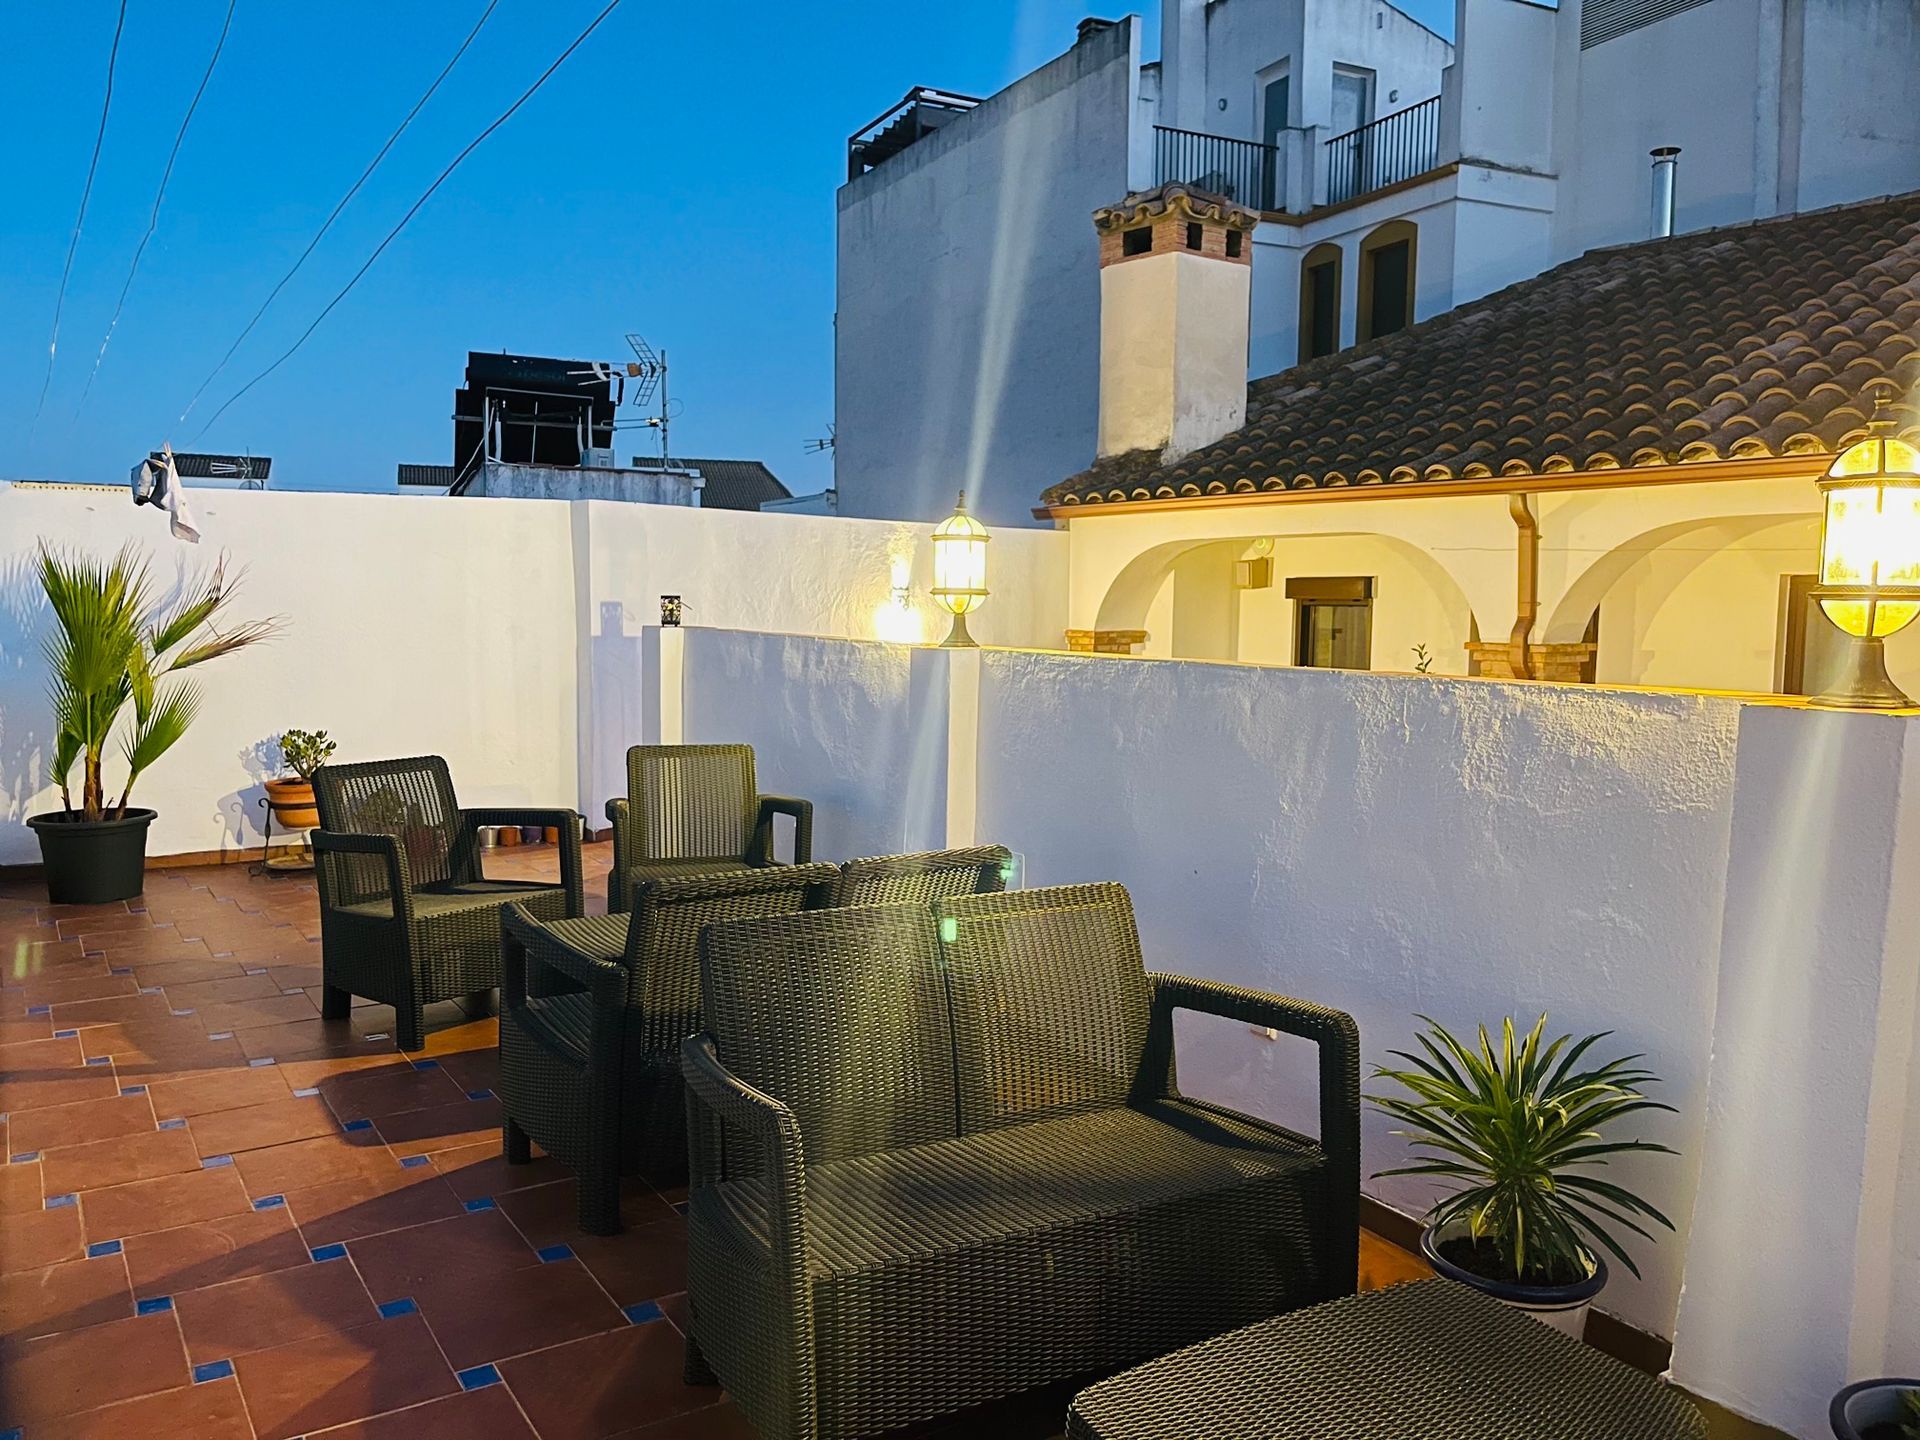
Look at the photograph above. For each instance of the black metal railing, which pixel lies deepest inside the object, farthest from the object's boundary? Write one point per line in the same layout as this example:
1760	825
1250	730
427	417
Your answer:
919	113
1393	148
1244	171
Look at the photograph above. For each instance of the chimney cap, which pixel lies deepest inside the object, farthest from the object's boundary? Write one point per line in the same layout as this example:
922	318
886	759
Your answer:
1175	197
1091	26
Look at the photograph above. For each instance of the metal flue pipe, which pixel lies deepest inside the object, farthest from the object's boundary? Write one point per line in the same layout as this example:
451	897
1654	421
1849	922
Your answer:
1665	162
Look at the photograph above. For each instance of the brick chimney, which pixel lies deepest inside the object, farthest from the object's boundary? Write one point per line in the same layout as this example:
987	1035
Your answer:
1175	277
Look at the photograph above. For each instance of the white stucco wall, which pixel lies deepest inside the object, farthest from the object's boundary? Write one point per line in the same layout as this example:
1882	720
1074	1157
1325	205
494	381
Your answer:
967	328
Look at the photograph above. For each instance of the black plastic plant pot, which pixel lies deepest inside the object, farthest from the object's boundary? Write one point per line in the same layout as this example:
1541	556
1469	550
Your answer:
1870	1409
93	862
1564	1307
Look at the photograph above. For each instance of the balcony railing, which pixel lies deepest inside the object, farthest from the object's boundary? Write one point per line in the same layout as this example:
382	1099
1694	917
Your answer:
1393	148
1247	173
918	114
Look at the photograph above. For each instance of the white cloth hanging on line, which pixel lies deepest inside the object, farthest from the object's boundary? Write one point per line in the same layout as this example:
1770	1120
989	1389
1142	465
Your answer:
157	482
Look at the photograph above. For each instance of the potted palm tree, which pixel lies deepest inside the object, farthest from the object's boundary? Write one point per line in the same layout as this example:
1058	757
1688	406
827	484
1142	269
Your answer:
1877	1410
1516	1129
303	752
115	646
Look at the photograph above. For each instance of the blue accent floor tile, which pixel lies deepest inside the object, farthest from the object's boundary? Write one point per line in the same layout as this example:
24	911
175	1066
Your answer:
680	1207
14	1434
61	1202
328	1252
263	1060
220	1035
179	1013
293	990
154	1305
212	1370
307	1091
39	1009
479	1377
121	970
149	989
426	1064
413	1162
353	1125
479	1094
642	1313
485	1202
552	1253
252	972
214	1162
65	1034
23	1157
393	1309
101	1248
174	1123
99	1059
270	1202
133	1089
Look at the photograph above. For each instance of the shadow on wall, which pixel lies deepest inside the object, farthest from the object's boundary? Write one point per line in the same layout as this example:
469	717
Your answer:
242	812
622	699
26	721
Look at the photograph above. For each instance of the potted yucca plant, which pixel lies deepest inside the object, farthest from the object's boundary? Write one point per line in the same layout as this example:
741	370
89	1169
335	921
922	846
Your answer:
115	648
303	752
1517	1130
1877	1410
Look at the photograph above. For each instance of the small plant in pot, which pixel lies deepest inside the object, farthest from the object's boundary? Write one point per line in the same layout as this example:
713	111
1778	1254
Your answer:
1517	1128
303	752
1877	1410
114	647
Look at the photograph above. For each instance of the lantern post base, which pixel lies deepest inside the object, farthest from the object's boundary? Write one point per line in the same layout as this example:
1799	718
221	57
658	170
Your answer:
958	638
1864	684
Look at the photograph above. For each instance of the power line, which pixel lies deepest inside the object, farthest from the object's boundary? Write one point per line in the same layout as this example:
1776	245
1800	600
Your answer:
440	179
320	234
153	219
80	220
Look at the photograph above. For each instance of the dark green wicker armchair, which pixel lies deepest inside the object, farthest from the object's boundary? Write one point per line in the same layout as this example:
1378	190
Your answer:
406	916
695	810
922	877
928	1173
593	1073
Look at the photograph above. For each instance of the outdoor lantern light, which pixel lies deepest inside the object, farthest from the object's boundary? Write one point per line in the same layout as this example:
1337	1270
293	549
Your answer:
960	568
1870	556
671	609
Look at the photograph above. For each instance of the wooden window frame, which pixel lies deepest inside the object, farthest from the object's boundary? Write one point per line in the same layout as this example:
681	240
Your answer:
1391	233
1325	253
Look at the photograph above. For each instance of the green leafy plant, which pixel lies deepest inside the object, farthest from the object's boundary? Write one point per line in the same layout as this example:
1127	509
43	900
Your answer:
1910	1415
1422	660
114	645
1518	1128
305	751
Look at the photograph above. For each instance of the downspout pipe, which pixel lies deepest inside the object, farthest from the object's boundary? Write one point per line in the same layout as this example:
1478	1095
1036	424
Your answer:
1526	610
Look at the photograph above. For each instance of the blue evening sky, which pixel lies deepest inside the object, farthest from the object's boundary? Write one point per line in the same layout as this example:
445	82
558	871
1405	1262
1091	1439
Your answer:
676	177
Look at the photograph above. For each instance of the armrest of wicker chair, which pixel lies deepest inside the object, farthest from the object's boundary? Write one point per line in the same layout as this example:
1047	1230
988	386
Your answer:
330	851
802	813
528	941
619	888
566	821
1332	1030
716	1094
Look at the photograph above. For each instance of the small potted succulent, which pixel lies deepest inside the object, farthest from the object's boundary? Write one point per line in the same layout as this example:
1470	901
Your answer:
116	648
303	752
1877	1410
1517	1129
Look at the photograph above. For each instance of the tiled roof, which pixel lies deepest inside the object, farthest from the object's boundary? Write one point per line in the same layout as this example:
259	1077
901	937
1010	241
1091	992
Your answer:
730	484
1749	341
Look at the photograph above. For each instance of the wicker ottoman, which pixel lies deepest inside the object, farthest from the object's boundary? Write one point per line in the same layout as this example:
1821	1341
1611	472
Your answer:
1427	1361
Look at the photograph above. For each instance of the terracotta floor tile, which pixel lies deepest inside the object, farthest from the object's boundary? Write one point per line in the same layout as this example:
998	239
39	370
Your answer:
104	1163
488	1414
57	988
38	1073
332	1379
644	1262
312	1040
170	1201
254	1127
478	1171
228	1247
443	1127
103	923
473	1069
306	1163
20	1188
36	1239
213	1411
69	1296
213	1090
715	1422
310	1071
371	1204
482	1316
454	1039
58	1126
242	1015
186	968
33	1057
550	1214
287	976
607	1384
17	1029
236	986
86	1369
277	1308
388	1089
114	1008
395	1264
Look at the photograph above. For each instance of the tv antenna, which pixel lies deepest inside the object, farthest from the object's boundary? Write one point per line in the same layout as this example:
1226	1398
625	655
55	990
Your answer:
650	369
825	442
240	469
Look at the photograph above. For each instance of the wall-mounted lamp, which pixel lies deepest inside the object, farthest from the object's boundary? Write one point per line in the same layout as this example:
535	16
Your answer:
1870	556
960	569
672	607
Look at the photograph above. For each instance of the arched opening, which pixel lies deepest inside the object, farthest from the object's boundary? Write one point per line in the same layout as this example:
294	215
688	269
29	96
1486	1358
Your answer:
1320	302
1388	259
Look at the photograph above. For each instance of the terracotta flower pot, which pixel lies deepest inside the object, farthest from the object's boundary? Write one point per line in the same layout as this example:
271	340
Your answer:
292	804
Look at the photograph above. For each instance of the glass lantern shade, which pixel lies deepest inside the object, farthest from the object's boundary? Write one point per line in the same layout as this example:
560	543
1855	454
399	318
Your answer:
960	568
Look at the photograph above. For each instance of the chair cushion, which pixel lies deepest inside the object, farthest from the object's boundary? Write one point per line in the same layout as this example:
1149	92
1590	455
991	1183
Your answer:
602	936
452	899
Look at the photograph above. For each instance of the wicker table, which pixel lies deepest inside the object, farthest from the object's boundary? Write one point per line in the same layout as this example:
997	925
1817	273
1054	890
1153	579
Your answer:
1417	1362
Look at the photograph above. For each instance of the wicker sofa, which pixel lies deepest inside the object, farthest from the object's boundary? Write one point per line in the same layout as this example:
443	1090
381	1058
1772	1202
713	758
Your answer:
406	915
938	1156
695	810
921	877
